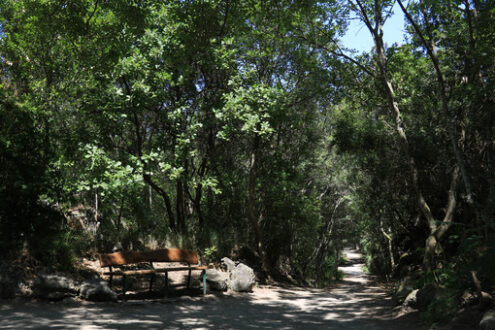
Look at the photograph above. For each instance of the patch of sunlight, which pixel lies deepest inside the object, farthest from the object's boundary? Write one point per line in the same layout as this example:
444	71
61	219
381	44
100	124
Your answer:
335	316
191	309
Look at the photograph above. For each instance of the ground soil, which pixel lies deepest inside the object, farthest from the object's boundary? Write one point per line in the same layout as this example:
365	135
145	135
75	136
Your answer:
357	302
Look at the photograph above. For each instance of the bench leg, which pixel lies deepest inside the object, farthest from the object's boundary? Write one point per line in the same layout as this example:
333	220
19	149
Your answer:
189	279
123	285
111	277
151	281
203	274
166	283
152	276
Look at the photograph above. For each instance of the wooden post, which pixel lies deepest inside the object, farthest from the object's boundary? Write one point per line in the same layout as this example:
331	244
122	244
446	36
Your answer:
189	277
166	283
123	285
111	277
152	277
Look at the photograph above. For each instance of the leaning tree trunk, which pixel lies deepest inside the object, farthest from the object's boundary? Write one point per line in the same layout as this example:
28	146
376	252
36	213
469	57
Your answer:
389	238
432	245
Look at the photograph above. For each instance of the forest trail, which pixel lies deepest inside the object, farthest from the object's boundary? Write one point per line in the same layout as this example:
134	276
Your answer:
354	303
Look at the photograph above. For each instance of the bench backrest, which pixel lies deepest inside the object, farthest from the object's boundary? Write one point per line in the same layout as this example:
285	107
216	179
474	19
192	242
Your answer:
163	255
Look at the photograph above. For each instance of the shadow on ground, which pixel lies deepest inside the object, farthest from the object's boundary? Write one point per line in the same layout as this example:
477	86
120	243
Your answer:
209	312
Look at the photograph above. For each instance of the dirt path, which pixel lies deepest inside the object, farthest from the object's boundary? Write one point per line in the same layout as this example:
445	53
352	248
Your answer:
355	303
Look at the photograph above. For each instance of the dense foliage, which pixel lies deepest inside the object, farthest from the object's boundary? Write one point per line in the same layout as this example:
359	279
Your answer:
245	127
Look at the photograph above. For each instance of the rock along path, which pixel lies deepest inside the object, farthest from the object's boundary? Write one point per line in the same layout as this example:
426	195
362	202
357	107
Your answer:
354	303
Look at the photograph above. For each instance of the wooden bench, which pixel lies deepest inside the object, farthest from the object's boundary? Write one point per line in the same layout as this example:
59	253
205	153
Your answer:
188	259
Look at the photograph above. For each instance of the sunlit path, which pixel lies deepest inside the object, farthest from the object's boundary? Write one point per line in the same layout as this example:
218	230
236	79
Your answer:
353	270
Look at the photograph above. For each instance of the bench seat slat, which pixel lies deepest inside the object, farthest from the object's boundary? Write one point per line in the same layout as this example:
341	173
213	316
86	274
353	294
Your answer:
163	255
153	271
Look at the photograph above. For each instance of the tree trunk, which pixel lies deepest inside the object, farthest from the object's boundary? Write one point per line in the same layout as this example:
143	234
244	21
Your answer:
180	208
325	236
252	203
432	246
197	204
431	49
163	194
150	196
253	219
389	239
199	192
96	206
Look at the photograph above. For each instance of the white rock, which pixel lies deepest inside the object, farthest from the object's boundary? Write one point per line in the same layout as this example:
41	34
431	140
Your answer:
216	279
229	263
242	278
411	299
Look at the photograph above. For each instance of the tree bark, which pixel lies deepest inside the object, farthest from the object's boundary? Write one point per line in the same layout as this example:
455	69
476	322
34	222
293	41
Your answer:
389	239
252	201
180	208
166	199
252	214
377	33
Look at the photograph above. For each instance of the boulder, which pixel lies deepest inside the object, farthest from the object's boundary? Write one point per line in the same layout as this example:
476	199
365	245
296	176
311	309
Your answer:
242	278
488	320
216	279
411	299
420	298
55	287
486	300
228	263
97	291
